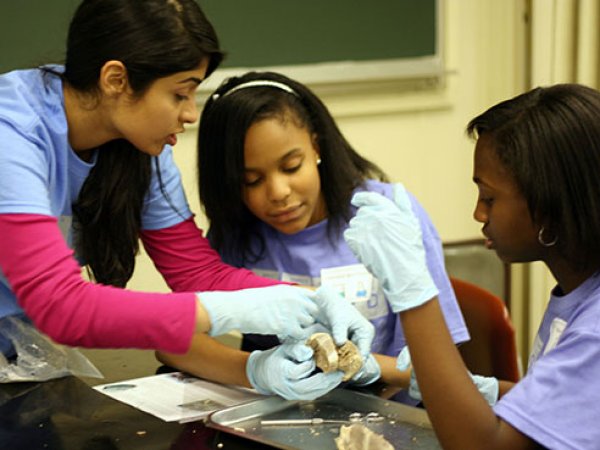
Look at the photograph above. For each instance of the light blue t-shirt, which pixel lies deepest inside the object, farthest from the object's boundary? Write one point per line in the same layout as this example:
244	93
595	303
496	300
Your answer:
41	174
557	403
300	257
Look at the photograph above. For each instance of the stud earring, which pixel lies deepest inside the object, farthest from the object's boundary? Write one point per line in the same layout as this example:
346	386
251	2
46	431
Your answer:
318	161
546	243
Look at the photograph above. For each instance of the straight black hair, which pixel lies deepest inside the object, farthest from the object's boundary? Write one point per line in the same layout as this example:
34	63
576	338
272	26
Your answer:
224	122
549	140
153	39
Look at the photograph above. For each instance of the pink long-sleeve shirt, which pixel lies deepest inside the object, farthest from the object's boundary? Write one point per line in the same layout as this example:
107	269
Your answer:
47	282
41	177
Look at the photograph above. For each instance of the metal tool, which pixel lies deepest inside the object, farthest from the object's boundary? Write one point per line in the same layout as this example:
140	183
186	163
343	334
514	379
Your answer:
352	418
301	422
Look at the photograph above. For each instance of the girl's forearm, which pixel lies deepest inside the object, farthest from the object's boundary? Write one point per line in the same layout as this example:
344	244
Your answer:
390	375
209	359
460	415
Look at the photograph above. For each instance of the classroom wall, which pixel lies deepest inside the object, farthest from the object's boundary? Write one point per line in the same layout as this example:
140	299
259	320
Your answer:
417	136
493	50
417	133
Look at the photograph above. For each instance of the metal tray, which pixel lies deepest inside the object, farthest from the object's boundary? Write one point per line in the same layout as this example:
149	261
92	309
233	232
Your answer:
403	426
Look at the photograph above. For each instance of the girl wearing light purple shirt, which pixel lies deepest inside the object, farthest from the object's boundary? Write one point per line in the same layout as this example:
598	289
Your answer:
537	160
276	178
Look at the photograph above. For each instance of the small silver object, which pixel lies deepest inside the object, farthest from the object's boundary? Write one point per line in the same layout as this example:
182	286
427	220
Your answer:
301	422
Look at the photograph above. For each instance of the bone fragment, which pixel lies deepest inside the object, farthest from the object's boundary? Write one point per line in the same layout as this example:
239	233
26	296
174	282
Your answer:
359	437
329	357
325	352
350	360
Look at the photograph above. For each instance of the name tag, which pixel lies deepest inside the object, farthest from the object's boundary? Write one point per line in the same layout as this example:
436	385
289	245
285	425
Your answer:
357	285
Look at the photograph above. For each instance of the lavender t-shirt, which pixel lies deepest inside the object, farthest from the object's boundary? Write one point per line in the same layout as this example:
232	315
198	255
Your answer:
301	256
557	403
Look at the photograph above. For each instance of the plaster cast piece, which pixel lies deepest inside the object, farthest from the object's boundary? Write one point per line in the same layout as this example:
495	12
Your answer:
350	360
328	357
359	437
325	352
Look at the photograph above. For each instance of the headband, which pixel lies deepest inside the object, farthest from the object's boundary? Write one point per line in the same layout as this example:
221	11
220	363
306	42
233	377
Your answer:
257	83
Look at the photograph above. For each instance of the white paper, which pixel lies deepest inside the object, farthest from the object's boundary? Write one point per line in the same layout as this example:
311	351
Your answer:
177	396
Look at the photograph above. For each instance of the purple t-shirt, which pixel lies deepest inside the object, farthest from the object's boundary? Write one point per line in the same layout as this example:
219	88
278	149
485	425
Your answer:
557	403
301	256
41	174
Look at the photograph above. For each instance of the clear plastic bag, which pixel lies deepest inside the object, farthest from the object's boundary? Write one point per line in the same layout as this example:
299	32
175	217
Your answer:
38	358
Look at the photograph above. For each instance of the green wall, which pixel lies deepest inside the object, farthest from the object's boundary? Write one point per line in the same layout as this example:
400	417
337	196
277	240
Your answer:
286	32
253	32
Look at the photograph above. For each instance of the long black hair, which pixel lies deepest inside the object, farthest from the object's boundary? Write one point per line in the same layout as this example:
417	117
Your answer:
225	119
549	139
153	39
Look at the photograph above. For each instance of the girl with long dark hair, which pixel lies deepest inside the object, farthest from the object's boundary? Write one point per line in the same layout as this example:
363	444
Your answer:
86	162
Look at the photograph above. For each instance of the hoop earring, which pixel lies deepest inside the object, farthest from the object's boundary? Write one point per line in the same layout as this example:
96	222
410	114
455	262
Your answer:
318	161
544	243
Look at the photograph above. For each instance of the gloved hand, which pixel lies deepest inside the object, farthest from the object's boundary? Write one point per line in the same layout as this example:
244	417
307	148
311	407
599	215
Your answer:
369	373
386	237
283	310
487	386
413	389
403	361
288	370
344	320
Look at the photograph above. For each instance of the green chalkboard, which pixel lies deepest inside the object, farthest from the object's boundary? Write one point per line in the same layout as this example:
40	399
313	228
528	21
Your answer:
33	32
288	32
254	33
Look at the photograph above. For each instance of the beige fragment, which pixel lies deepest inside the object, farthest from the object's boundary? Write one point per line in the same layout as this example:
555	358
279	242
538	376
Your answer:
325	352
350	360
328	357
359	437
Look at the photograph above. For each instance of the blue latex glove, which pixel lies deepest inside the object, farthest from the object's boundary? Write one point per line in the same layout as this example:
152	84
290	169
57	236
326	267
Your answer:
288	370
403	361
344	320
283	310
386	237
487	386
369	373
